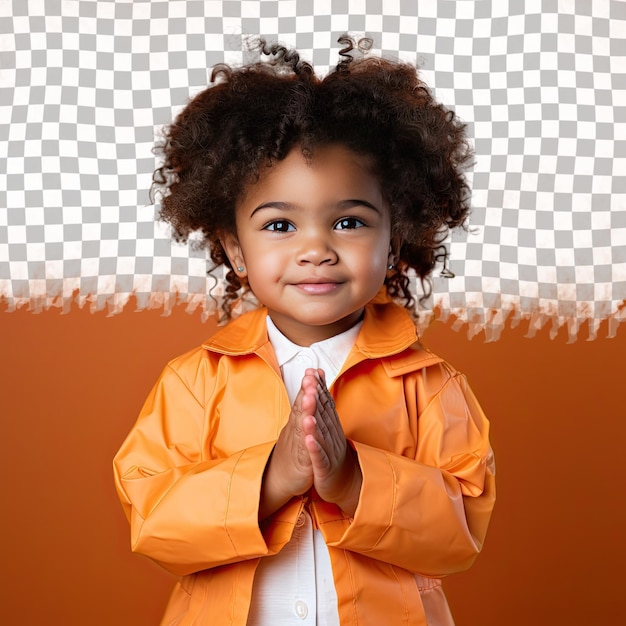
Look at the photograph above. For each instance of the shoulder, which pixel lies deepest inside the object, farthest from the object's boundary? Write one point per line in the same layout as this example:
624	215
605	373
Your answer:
389	336
430	378
418	361
197	367
414	358
190	362
191	373
240	336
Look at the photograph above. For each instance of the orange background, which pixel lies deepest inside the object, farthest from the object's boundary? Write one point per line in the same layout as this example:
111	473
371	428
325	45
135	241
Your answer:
72	385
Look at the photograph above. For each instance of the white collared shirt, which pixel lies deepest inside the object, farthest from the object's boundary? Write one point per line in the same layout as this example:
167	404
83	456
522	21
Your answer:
296	585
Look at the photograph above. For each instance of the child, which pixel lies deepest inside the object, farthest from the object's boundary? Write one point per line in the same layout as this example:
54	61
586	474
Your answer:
311	462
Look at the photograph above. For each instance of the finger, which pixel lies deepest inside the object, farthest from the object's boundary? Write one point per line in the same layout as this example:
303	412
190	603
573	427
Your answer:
329	425
330	419
323	393
308	401
318	398
321	376
314	428
290	444
322	428
320	460
324	408
322	389
325	398
334	438
296	407
316	372
313	374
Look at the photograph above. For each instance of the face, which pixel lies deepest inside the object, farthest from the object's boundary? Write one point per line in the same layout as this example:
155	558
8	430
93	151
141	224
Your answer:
313	240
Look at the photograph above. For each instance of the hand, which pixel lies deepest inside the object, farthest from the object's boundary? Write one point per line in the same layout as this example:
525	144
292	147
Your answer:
337	476
289	471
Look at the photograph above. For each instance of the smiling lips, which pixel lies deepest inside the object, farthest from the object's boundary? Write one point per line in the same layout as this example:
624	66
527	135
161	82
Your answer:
317	286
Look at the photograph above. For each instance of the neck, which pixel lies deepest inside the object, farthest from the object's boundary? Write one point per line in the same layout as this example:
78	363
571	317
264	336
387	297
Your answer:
304	335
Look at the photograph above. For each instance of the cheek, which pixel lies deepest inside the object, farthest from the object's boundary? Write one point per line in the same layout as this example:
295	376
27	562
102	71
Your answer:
371	263
379	256
264	267
380	261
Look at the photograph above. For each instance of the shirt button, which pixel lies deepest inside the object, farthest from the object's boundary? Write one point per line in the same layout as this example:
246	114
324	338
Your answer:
302	610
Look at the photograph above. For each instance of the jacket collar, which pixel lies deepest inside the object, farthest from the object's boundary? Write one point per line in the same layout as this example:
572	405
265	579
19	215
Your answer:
387	330
245	334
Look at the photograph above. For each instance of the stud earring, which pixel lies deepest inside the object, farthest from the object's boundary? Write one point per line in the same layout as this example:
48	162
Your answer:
390	266
241	269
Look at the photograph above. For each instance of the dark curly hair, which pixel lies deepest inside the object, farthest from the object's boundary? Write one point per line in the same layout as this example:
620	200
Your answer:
253	116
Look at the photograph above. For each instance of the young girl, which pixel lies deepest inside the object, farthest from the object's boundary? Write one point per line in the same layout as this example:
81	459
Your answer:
311	462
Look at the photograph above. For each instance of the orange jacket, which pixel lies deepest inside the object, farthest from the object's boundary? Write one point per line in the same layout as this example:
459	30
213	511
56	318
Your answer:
189	473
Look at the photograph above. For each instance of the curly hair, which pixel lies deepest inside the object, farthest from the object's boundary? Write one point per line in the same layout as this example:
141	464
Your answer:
253	116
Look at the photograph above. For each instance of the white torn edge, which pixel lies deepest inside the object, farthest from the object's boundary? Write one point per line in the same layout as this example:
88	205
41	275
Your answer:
473	316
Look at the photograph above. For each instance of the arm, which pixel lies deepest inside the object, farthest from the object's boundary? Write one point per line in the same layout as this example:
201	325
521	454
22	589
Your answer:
427	514
188	511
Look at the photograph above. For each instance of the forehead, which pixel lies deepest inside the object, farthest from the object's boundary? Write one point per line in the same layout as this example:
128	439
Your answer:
331	173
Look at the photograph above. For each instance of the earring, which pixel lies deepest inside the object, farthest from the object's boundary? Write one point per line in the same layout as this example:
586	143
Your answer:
390	266
241	269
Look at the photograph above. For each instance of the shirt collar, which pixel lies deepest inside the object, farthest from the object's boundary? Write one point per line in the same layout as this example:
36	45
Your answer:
334	349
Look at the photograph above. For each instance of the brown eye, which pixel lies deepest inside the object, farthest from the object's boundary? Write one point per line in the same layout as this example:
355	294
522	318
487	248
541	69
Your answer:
349	223
279	226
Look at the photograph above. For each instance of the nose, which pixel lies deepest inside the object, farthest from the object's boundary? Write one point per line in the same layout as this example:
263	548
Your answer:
315	248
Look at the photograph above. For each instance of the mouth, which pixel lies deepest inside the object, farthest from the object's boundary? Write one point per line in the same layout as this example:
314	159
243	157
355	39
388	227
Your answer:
317	285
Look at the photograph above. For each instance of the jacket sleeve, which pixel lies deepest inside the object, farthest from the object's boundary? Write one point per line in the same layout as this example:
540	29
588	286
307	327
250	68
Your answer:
181	505
427	514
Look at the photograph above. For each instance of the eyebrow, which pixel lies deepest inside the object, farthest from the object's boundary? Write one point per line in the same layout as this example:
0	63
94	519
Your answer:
343	205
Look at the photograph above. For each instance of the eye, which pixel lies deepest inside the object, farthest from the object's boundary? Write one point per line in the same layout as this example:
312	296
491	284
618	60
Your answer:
348	223
279	226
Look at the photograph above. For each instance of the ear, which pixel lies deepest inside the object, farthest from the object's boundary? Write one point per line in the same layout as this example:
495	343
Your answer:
233	250
394	249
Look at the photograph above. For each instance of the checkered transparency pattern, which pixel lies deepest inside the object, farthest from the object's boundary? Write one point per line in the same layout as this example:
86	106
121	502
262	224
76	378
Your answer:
86	86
